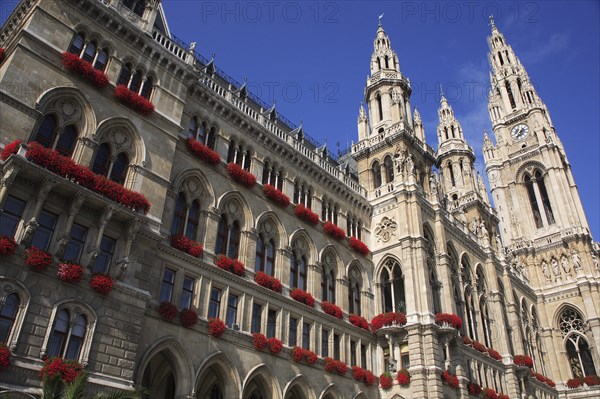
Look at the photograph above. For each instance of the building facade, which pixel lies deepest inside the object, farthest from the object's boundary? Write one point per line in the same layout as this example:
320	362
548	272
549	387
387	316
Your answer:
104	85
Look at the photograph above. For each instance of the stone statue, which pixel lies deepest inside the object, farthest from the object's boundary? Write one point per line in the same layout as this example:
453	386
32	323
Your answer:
462	217
556	269
595	262
466	167
484	234
576	260
399	163
565	264
473	226
410	165
521	269
515	224
192	47
546	271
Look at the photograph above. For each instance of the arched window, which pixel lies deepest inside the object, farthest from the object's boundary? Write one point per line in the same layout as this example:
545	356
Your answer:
354	290
328	286
508	330
485	322
77	44
66	141
389	169
136	80
137	6
298	271
545	199
101	162
147	87
46	133
510	93
470	311
379	106
228	238
580	359
179	216
537	217
8	315
89	51
67	336
193	220
392	282
376	174
119	168
193	127
222	235
265	256
451	171
104	165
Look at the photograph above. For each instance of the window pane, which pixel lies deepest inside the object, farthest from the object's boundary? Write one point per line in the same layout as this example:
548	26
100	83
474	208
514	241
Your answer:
214	306
46	131
221	236
43	234
76	339
324	343
107	248
119	169
11	215
66	141
336	346
101	161
306	335
271	323
76	244
292	338
101	60
256	318
234	241
363	356
187	293
166	289
90	52
232	303
59	333
77	44
8	313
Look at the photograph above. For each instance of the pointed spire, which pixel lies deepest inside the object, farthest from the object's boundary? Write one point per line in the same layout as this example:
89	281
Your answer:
442	96
417	116
492	23
362	113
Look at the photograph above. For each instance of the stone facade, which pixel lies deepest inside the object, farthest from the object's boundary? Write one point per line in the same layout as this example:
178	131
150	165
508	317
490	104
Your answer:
434	238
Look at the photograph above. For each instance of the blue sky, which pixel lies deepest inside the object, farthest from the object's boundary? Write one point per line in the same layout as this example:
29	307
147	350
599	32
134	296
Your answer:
313	59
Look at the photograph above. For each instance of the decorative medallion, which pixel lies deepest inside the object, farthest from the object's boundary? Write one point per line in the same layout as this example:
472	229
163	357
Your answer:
385	229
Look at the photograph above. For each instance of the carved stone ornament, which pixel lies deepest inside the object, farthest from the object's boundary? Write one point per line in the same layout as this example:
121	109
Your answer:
385	229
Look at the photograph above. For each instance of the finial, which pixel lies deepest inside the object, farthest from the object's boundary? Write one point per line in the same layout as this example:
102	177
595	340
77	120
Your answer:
381	16
213	56
442	97
492	24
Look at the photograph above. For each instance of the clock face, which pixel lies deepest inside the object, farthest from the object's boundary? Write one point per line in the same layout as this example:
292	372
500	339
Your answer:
520	131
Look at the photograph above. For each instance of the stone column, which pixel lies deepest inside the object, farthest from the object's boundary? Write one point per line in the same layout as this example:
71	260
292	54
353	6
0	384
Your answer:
313	283
7	180
247	252
282	264
76	203
45	187
102	223
210	222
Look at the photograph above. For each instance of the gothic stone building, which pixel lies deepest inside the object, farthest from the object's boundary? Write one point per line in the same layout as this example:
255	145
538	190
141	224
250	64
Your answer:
523	276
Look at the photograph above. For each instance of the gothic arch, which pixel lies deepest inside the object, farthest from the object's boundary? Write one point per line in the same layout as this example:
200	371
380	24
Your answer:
8	287
195	186
330	258
356	267
261	377
530	165
268	223
299	383
380	267
360	395
301	235
122	135
564	306
218	367
331	391
233	203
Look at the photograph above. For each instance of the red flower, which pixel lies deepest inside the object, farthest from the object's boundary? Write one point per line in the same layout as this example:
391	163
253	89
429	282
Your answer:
358	373
67	370
449	318
551	383
369	378
186	245
276	196
306	214
4	356
168	311
216	327
502	396
386	381
10	149
37	259
231	265
297	353
133	100
387	319
267	281
359	321
202	152
522	360
334	231
494	354
70	272
335	366
101	283
310	357
591	380
2	55
7	246
473	388
403	377
260	341
467	341
275	345
575	382
188	317
84	69
359	246
303	297
332	309
489	393
241	176
450	379
479	347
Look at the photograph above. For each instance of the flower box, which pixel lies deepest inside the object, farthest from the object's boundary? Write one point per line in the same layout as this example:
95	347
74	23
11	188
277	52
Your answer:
575	382
259	341
467	341
168	311
334	231
275	345
303	297
10	149
450	319
590	380
272	283
489	393
188	317
102	283
386	381
450	379
231	265
388	319
358	246
332	309
403	377
2	55
335	366
216	327
358	373
369	378
494	354
359	321
473	388
66	167
523	361
203	152
478	346
299	354
7	246
57	367
84	69
241	176
4	357
133	100
276	196
37	259
70	272
502	396
306	214
186	245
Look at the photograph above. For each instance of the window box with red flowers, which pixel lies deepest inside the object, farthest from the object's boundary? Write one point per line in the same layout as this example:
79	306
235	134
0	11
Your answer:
575	382
70	272
478	346
188	317
358	373
259	341
303	297
449	319
186	245
67	168
7	246
10	149
216	327
335	366
403	377
299	354
203	152
502	396
467	341
2	55
450	379
276	196
358	246
523	361
241	176
272	283
306	214
57	367
370	378
231	265
489	393
359	321
591	380
76	65
168	311
102	283
37	259
390	319
386	381
332	309
473	389
494	354
333	231
550	383
133	100
275	345
4	357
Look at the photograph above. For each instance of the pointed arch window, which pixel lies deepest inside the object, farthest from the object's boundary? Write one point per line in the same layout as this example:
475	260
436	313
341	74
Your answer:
354	290
51	135
511	98
470	311
451	171
328	286
537	217
102	160
389	168
136	80
545	199
89	51
376	174
115	168
228	238
8	315
485	323
265	256
137	6
578	351
392	283
66	141
186	219
379	106
66	338
298	271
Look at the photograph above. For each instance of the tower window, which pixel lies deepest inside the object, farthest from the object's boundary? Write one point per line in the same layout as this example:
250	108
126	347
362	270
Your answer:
376	174
379	107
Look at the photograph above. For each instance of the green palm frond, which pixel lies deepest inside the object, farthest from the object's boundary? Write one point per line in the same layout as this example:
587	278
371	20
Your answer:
75	389
133	394
52	387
